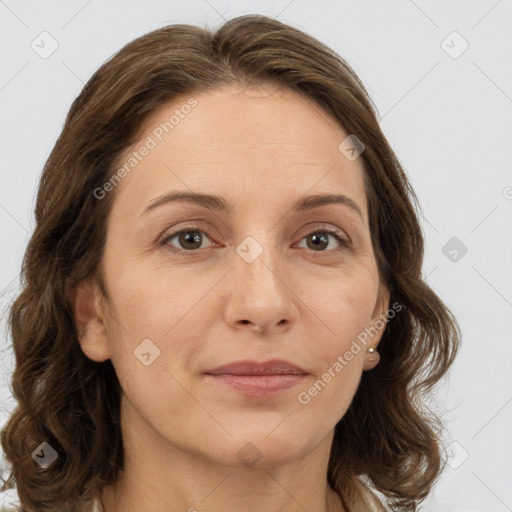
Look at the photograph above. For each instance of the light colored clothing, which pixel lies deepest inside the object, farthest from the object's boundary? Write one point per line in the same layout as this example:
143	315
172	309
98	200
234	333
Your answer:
92	505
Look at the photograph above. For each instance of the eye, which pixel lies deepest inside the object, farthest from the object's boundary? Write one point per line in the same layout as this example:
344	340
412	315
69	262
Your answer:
190	239
318	240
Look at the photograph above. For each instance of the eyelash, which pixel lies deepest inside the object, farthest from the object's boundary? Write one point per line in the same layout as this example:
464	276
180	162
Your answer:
344	242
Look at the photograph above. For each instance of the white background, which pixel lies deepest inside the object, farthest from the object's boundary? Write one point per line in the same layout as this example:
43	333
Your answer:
448	119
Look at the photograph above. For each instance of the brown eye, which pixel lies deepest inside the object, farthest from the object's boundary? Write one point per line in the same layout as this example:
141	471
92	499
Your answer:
188	239
318	241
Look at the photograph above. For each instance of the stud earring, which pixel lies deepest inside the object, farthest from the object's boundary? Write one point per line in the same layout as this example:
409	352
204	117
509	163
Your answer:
373	360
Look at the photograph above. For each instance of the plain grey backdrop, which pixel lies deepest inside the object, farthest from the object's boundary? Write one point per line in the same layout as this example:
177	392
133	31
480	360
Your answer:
440	74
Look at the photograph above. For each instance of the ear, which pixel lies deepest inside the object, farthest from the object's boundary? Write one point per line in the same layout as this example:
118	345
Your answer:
88	311
377	327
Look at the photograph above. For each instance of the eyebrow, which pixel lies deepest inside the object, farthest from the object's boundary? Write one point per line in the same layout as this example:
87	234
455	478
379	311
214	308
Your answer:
219	204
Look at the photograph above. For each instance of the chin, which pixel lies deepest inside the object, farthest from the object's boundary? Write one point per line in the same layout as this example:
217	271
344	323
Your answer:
256	448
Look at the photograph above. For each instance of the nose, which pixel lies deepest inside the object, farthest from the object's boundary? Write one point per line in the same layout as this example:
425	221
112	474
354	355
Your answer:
260	299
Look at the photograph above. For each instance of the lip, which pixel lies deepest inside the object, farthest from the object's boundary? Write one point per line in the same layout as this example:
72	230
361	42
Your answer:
272	367
257	379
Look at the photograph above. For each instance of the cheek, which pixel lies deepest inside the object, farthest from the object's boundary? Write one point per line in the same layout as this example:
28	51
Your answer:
327	398
149	302
344	307
158	321
343	311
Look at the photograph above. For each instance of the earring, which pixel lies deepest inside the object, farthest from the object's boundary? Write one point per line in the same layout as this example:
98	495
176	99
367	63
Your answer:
373	360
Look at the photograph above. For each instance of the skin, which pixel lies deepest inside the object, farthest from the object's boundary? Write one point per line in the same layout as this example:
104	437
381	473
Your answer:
260	149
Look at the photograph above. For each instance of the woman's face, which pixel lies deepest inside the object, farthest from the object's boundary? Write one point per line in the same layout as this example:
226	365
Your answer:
250	278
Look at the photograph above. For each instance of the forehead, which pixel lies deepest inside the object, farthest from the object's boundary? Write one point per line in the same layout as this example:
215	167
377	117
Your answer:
234	141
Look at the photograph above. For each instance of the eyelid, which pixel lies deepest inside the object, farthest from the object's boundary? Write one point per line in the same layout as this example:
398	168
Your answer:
332	229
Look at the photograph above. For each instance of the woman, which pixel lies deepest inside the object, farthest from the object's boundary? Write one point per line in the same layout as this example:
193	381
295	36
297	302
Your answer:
223	306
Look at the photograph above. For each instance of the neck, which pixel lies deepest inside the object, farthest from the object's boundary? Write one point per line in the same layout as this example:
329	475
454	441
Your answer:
113	500
158	474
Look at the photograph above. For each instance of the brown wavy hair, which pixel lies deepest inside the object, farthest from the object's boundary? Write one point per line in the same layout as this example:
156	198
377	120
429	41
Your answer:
388	436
